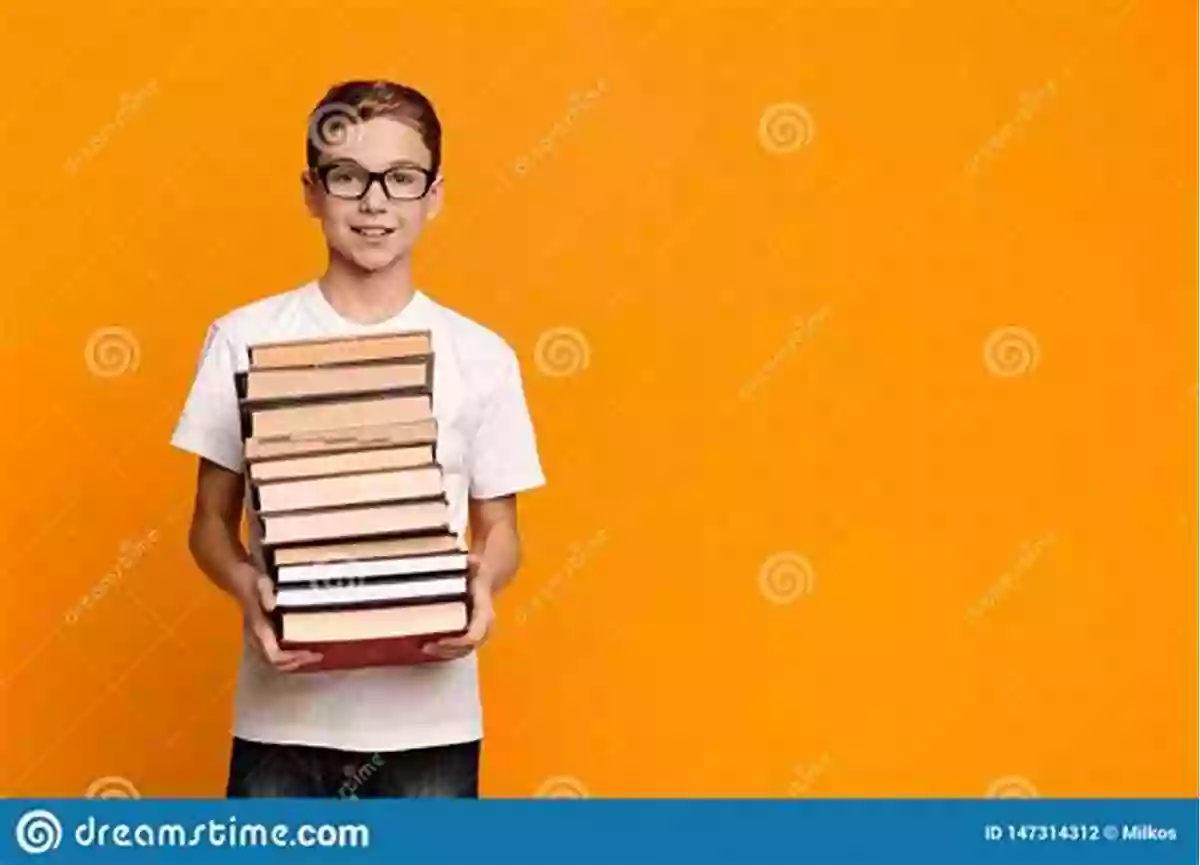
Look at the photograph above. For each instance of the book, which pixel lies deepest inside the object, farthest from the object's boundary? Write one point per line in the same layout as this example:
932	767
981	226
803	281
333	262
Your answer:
371	569
382	548
263	385
358	595
340	447
359	488
342	463
340	350
320	414
386	636
341	440
356	522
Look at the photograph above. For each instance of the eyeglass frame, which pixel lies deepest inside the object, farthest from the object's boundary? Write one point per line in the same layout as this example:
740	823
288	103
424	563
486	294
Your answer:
322	171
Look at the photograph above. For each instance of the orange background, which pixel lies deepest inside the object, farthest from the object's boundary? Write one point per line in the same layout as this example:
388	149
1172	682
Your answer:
816	525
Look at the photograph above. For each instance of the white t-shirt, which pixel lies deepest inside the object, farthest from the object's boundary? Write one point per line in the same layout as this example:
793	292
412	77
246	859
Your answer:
487	449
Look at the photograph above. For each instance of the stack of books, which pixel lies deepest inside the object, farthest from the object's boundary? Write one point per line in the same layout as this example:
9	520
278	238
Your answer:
340	445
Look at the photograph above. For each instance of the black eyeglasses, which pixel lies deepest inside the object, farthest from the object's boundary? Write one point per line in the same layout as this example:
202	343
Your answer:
351	181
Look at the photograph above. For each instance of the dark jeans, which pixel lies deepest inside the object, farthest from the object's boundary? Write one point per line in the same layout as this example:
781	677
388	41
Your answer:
258	769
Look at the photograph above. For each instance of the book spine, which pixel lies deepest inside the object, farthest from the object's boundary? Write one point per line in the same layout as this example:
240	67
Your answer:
347	607
425	333
374	579
369	536
422	389
270	482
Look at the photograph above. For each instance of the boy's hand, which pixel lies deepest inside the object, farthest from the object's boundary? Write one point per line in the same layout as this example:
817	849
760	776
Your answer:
482	617
258	599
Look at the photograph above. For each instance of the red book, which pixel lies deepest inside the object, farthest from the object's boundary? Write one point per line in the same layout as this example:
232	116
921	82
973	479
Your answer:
373	634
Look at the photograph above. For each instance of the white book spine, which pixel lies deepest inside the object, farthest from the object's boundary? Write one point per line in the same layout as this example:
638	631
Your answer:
371	592
372	568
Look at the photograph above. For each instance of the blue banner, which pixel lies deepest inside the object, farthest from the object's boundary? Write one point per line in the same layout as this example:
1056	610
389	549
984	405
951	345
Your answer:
609	831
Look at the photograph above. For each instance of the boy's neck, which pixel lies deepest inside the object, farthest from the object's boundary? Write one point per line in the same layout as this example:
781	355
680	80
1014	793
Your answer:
367	297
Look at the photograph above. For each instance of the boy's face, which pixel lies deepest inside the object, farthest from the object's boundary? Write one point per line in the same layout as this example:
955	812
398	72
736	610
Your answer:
373	231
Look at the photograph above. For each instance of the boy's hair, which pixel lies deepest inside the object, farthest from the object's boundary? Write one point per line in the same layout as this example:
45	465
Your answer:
355	101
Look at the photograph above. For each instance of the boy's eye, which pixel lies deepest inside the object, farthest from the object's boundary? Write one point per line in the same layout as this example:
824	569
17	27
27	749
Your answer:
403	177
343	175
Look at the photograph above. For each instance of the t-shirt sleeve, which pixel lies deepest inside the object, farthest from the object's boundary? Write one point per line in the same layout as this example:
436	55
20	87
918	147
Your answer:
210	424
503	450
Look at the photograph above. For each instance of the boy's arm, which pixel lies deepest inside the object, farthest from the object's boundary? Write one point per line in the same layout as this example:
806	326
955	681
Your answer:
495	555
495	542
503	461
215	543
214	539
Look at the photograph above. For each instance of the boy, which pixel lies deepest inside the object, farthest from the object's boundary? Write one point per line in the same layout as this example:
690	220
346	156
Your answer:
373	181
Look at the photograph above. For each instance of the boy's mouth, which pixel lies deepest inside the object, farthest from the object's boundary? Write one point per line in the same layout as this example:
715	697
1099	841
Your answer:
372	230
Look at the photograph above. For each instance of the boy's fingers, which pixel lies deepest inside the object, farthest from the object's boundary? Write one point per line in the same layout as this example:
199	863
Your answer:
266	593
292	661
446	650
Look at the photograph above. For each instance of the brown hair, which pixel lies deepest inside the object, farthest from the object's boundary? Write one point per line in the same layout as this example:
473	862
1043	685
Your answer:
355	101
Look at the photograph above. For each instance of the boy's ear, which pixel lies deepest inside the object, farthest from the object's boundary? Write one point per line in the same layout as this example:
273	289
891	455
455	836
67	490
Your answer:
435	199
310	194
